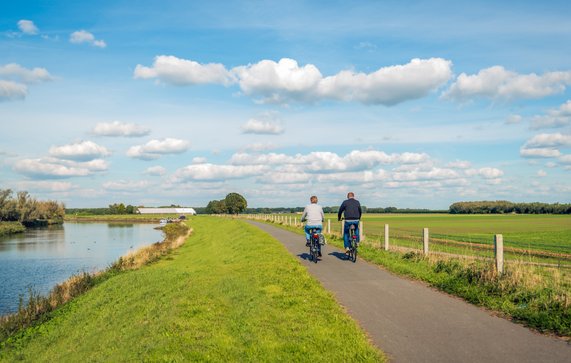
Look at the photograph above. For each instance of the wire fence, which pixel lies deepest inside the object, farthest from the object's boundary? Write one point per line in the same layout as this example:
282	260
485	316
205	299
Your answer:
475	246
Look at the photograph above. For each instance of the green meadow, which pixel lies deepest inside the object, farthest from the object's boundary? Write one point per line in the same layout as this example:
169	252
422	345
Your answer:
231	293
537	238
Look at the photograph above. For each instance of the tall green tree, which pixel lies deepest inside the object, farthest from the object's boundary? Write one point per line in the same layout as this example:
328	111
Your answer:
235	203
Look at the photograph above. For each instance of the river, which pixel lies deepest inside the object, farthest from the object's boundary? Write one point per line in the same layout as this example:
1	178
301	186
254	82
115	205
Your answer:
38	259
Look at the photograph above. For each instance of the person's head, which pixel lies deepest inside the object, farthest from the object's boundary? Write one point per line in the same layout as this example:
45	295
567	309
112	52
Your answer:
350	195
313	199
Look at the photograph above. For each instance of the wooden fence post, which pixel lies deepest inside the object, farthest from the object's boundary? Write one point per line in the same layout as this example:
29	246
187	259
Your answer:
361	231
386	237
329	226
425	240
499	252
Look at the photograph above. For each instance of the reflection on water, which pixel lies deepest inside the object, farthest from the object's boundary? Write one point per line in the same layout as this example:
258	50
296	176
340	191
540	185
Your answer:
42	257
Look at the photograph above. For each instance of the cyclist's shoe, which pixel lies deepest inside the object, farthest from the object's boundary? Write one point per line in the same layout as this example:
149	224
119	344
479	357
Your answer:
346	250
306	243
319	254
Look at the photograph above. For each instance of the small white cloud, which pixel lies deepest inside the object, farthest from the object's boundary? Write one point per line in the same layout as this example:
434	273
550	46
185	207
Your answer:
16	72
541	173
173	70
254	126
498	83
549	140
12	91
513	119
27	27
490	173
50	168
156	170
539	152
554	118
155	148
459	164
81	151
82	36
117	128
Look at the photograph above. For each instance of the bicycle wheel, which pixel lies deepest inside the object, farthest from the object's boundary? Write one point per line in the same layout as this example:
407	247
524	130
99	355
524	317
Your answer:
354	252
314	252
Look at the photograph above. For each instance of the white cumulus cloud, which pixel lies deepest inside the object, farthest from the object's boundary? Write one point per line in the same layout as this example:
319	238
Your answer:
498	83
254	126
14	80
81	151
82	36
285	80
549	140
51	168
177	71
16	72
155	148
117	128
27	27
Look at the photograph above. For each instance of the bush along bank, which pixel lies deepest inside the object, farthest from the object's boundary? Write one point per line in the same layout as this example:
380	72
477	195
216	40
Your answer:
7	228
38	308
539	297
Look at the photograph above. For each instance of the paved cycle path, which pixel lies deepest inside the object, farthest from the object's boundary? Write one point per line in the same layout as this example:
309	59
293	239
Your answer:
415	323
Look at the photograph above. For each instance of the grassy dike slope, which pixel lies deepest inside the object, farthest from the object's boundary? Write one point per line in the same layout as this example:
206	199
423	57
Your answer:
231	293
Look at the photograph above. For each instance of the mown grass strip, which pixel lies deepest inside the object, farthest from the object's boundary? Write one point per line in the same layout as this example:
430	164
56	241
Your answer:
538	297
231	293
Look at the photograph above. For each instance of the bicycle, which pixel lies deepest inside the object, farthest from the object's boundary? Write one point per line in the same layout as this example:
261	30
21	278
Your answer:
315	238
354	244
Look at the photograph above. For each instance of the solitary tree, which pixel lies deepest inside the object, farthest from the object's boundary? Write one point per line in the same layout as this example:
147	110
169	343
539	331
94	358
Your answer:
235	203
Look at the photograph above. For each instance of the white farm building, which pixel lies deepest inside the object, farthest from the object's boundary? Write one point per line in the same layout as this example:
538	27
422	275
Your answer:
180	211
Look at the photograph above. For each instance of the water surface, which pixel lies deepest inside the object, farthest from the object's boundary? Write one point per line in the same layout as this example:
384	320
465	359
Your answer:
40	258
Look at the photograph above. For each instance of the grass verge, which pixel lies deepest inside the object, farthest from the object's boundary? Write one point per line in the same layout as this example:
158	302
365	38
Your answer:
7	228
231	293
38	308
536	296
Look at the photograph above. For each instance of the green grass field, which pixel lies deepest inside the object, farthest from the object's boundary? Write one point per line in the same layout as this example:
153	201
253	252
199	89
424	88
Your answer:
534	238
230	293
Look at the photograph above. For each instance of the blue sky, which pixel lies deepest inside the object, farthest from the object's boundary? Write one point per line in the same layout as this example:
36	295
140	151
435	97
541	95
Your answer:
411	105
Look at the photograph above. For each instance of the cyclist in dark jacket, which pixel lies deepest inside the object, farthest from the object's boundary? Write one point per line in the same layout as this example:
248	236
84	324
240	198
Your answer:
352	210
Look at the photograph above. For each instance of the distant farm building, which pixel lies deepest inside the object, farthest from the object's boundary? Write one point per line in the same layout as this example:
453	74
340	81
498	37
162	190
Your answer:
180	211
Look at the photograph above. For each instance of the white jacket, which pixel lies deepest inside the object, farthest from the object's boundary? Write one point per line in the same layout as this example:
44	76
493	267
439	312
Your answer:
313	213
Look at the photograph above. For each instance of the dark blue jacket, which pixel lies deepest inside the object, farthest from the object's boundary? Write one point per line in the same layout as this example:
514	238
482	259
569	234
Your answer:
352	209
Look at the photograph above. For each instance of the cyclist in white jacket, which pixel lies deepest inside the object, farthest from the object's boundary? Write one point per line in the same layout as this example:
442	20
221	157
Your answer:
313	214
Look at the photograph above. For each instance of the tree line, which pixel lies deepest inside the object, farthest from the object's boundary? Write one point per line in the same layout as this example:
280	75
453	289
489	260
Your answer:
504	206
28	210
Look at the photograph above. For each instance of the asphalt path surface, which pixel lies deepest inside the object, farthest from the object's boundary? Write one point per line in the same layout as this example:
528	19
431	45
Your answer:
412	322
